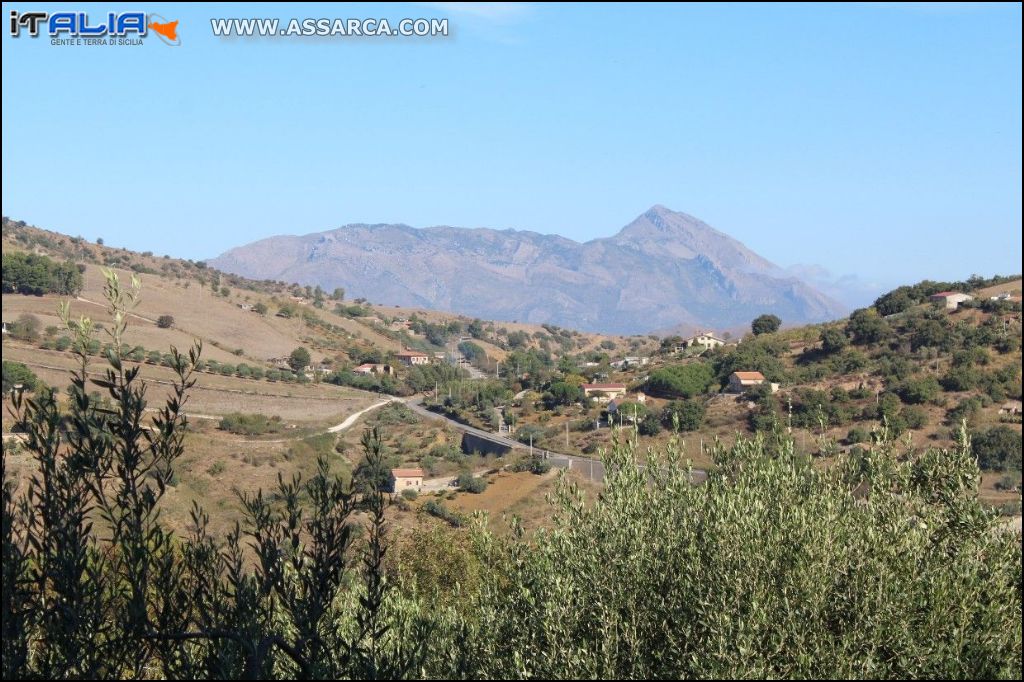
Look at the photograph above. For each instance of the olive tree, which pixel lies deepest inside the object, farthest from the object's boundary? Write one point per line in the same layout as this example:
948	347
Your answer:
880	567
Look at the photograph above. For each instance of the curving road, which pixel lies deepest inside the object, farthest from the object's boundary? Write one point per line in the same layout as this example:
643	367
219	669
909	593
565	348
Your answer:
589	468
351	419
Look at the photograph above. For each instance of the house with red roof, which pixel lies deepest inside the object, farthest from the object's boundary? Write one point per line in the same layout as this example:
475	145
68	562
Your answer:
602	393
406	479
950	299
741	382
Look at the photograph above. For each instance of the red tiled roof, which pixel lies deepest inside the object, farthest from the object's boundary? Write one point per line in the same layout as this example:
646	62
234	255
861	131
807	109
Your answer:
599	387
749	376
407	473
945	293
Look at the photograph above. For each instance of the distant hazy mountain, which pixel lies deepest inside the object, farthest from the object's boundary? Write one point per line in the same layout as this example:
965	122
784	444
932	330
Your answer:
663	270
850	290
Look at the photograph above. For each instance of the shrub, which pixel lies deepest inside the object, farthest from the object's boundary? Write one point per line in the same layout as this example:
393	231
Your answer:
435	508
914	417
535	465
1007	483
469	483
917	391
17	374
833	340
25	328
857	435
998	449
250	424
649	425
165	321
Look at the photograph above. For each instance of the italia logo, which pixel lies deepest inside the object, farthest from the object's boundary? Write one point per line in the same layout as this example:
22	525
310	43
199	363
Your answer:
69	25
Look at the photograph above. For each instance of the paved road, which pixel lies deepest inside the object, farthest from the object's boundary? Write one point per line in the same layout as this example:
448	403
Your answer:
351	419
591	469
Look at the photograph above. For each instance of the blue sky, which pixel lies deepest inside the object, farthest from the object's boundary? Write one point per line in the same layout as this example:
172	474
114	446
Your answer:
882	140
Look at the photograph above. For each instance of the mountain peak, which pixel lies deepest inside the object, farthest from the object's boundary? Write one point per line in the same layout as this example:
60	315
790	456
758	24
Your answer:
664	268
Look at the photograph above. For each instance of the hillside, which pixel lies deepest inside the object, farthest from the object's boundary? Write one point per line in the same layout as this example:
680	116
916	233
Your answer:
918	373
665	269
920	369
248	330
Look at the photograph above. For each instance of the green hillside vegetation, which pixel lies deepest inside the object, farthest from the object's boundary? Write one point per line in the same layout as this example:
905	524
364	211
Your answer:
922	370
882	566
29	273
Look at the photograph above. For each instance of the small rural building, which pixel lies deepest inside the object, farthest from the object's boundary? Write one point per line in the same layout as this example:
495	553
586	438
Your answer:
705	340
604	392
246	307
406	479
410	358
950	299
739	382
373	368
630	361
1010	407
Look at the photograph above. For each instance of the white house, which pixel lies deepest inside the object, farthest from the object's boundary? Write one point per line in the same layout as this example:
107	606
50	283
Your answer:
373	368
705	340
411	358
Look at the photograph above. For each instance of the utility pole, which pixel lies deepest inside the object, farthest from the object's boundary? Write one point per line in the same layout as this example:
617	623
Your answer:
531	444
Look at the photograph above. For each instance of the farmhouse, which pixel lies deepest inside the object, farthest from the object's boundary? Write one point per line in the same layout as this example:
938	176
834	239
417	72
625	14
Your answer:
406	479
410	358
373	368
950	299
604	392
705	340
740	382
